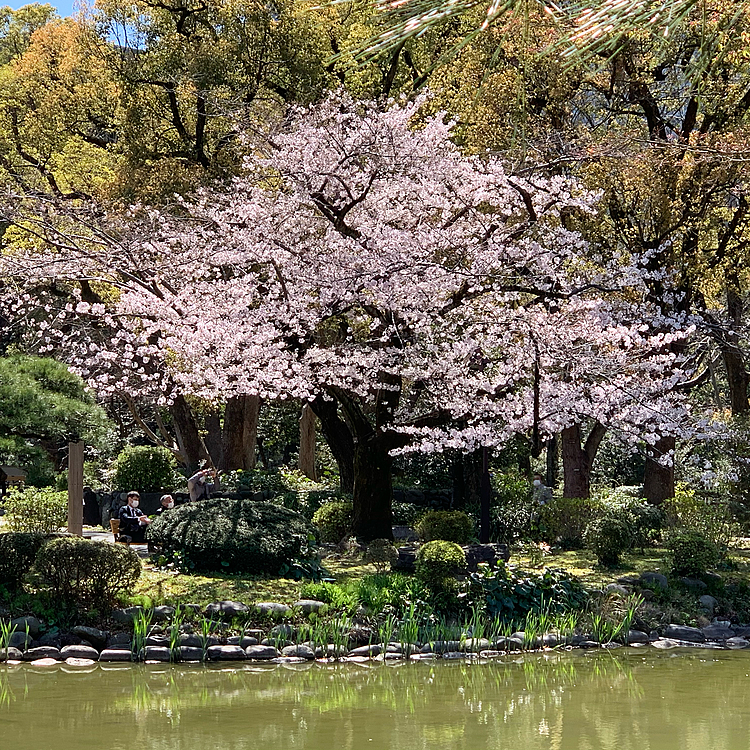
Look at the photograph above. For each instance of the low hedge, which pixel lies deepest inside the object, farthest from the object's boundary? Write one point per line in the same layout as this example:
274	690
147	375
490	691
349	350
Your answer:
448	525
232	536
17	553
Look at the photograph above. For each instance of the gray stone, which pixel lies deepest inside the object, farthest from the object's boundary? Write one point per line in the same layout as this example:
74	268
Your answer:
157	641
119	639
45	662
256	633
126	615
73	662
233	640
629	580
684	633
116	654
282	631
589	644
156	653
42	652
405	534
273	608
438	647
737	643
550	640
616	588
299	650
191	653
79	652
248	640
514	644
191	641
694	583
20	640
658	579
612	645
32	624
309	605
278	642
742	632
11	654
226	609
475	644
407	558
189	609
372	650
51	638
646	594
336	652
225	653
261	652
717	633
665	643
637	636
163	613
708	602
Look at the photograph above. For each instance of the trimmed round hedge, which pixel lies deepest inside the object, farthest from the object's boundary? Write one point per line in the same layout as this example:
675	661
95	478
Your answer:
17	553
232	536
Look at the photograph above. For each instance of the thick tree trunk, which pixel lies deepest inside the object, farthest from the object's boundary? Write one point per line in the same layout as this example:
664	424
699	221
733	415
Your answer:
213	437
306	462
250	431
737	375
578	459
553	445
373	489
188	437
232	432
339	439
658	482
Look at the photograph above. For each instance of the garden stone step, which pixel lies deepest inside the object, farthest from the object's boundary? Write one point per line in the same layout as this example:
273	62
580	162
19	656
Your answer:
684	633
225	653
79	652
261	652
42	652
226	609
191	653
299	650
156	653
116	654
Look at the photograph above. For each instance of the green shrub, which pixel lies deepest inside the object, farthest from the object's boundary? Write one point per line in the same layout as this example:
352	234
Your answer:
438	561
608	537
406	514
692	553
143	468
335	596
394	592
232	536
515	513
17	553
564	519
448	525
84	571
710	516
382	553
333	520
36	511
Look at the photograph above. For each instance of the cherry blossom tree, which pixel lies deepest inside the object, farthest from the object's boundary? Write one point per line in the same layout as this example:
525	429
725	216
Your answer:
363	262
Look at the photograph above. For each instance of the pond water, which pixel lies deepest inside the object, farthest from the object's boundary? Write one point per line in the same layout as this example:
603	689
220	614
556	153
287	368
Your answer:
634	699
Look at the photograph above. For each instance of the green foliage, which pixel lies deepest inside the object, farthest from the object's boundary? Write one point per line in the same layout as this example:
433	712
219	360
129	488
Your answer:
448	525
608	537
84	571
333	520
143	468
382	553
406	514
510	593
232	536
338	598
17	26
515	514
692	553
17	553
391	592
710	517
438	561
564	520
34	510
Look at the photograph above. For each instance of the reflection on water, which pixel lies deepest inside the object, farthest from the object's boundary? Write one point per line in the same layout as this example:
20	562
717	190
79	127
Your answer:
634	700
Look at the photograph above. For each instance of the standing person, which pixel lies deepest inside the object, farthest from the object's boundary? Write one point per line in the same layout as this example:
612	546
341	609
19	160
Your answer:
92	515
200	488
133	522
540	492
167	503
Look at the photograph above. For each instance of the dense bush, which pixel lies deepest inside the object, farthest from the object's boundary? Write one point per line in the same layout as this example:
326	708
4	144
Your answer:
406	514
608	537
17	553
333	520
510	593
391	593
692	553
438	561
515	514
233	536
382	553
338	598
143	468
80	570
710	516
36	511
564	520
448	525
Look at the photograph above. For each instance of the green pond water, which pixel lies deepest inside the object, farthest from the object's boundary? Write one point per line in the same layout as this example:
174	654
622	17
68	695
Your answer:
644	700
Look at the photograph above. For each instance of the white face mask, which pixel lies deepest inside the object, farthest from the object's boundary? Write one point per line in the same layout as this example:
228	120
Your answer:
537	483
170	506
134	503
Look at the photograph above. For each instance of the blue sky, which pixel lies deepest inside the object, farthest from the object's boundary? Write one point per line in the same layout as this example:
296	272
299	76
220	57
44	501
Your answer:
64	7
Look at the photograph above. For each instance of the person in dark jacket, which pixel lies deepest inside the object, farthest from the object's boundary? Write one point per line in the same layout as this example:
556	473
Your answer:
133	522
167	503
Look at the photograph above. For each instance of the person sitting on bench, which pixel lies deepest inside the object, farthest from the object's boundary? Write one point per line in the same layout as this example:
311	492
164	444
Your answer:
133	522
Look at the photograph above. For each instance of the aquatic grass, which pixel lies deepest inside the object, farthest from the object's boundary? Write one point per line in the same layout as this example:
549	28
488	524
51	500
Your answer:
174	634
408	631
6	633
141	625
208	627
386	631
340	635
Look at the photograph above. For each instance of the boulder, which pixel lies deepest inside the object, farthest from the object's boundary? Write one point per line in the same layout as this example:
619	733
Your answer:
737	643
42	652
119	639
407	558
694	583
299	650
30	624
248	640
742	632
156	653
97	638
684	633
658	579
116	654
308	606
550	640
274	609
637	636
11	654
263	653
79	652
190	640
372	650
51	638
717	633
225	653
708	603
282	631
589	644
226	609
163	613
475	644
157	640
126	615
20	640
616	588
191	653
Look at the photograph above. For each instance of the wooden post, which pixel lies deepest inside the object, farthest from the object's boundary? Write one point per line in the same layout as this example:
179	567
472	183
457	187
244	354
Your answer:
306	462
75	488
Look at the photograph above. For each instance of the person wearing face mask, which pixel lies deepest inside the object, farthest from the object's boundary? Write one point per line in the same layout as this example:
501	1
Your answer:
540	492
167	503
133	522
199	486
